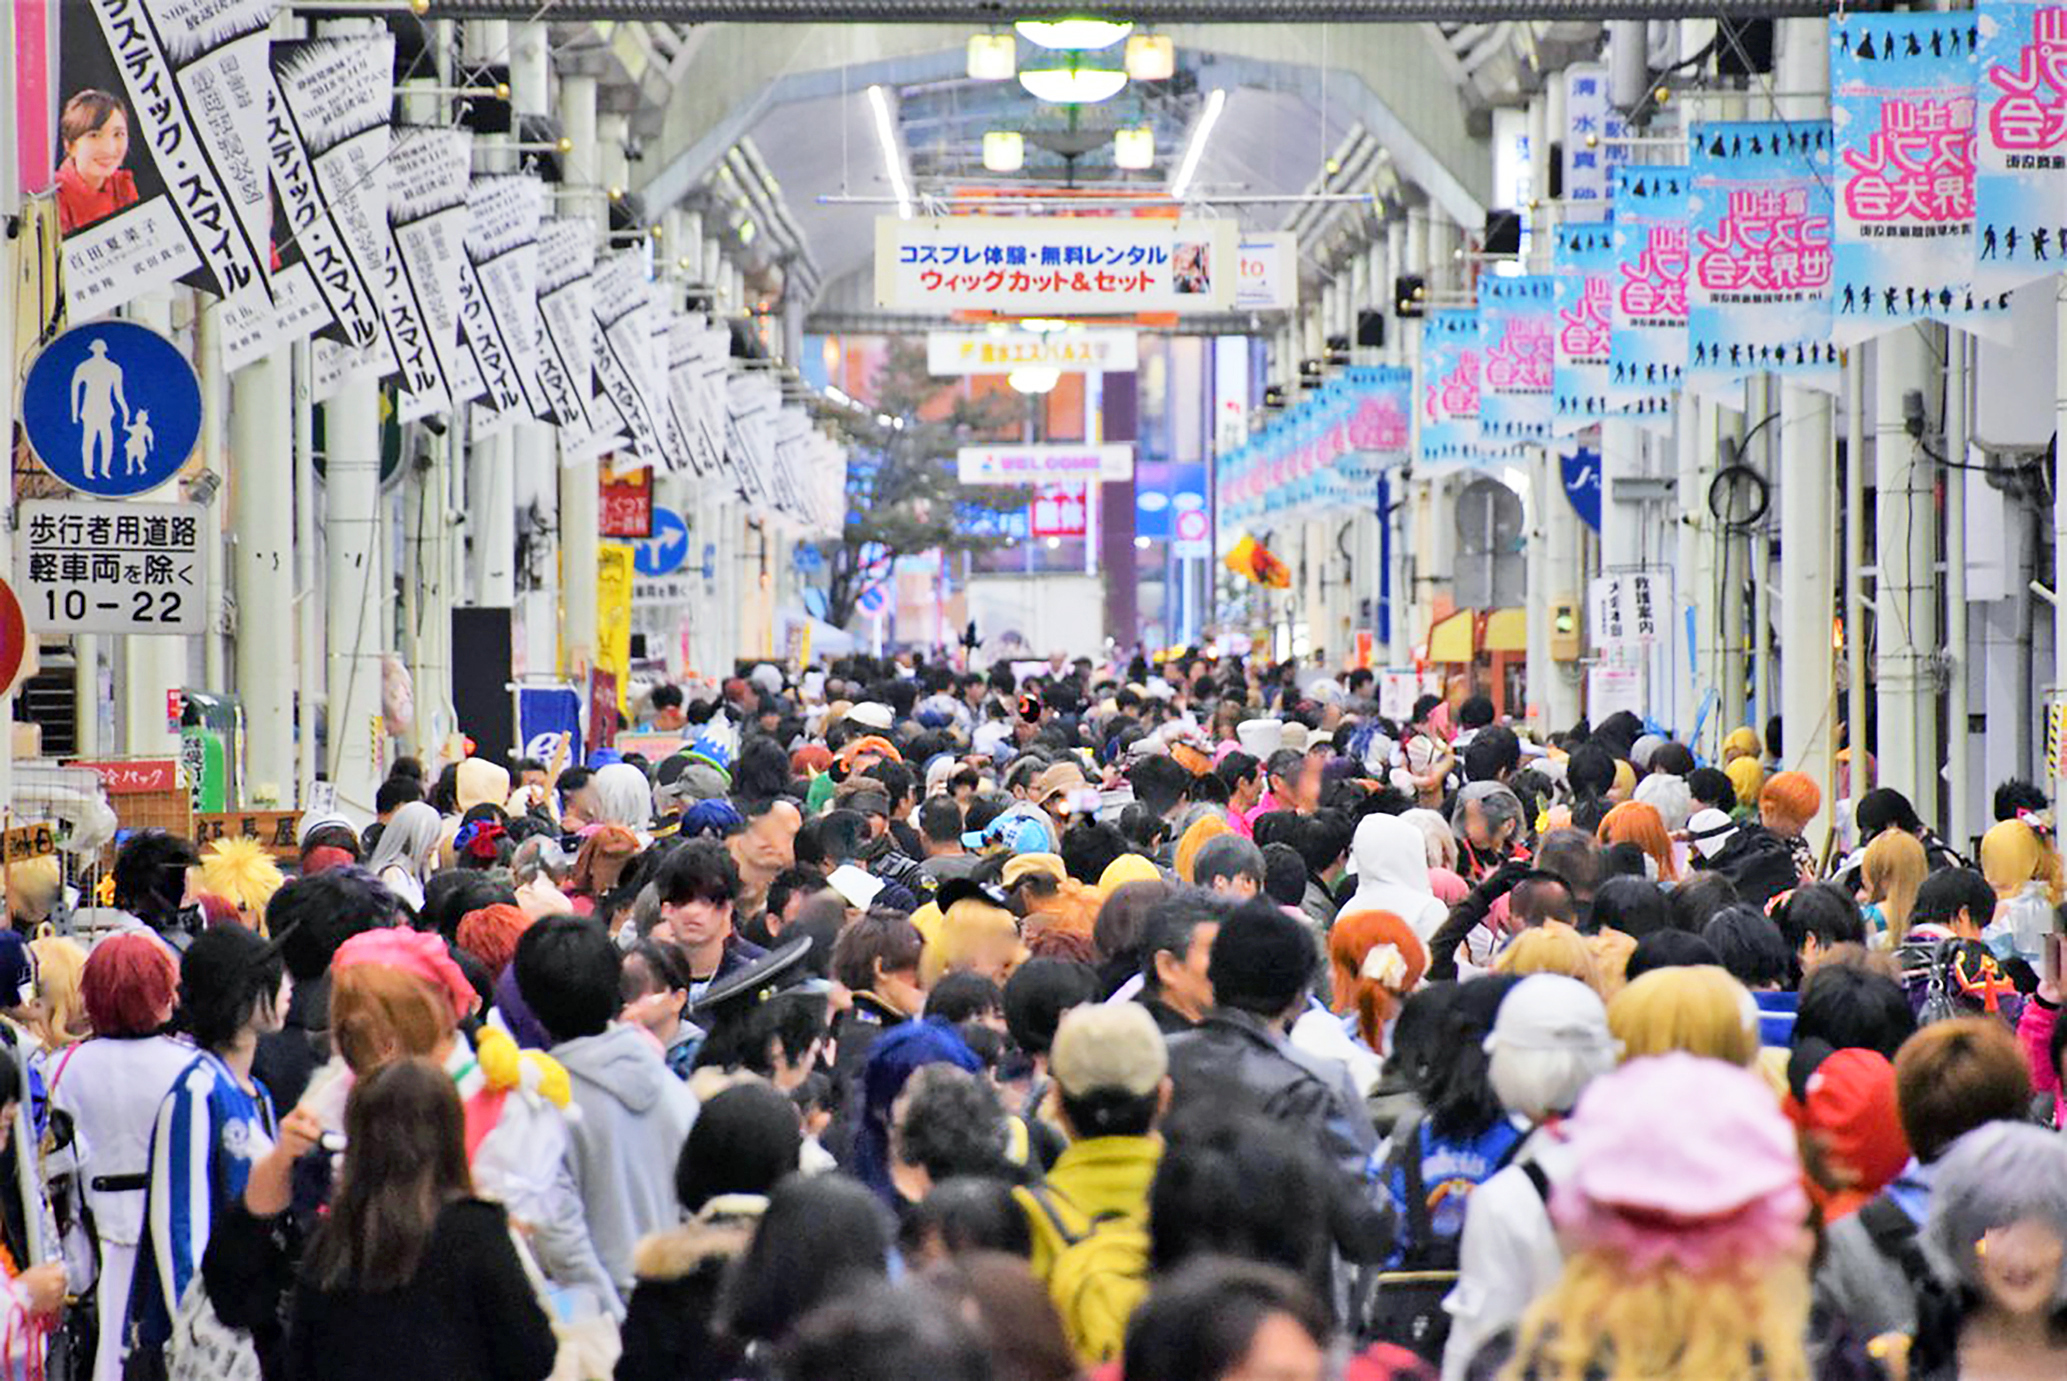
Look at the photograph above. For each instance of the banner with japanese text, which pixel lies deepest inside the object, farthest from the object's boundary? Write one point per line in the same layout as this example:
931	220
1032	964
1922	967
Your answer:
1592	147
1902	88
1758	298
498	298
1055	265
1583	261
685	389
1517	327
1450	382
1648	353
2020	156
623	338
566	320
427	220
658	379
1324	452
162	172
1002	351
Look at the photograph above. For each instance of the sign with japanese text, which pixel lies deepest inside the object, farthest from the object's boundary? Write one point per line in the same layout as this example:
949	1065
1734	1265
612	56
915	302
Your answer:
1321	454
110	567
1450	383
624	503
1055	265
427	220
498	299
1648	351
1607	616
1045	463
1517	326
1059	510
623	341
1592	148
134	776
985	352
1759	290
1902	88
24	842
275	829
1630	609
162	173
566	321
658	379
2020	130
1583	261
1269	273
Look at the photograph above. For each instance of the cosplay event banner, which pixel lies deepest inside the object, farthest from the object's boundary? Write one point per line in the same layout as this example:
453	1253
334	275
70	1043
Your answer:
2020	155
1450	388
427	221
1648	353
624	338
1902	88
1583	259
1517	323
566	313
1759	291
498	299
161	175
658	381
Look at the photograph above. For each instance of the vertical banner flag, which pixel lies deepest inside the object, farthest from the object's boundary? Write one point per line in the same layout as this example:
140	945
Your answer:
713	384
657	379
1592	146
685	387
1759	296
1903	107
566	317
427	222
1649	350
1517	326
327	141
160	176
1449	388
1584	264
2020	179
623	338
498	296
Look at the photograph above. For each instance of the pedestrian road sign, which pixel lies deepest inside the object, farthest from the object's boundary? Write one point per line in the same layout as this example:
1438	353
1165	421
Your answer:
112	408
110	567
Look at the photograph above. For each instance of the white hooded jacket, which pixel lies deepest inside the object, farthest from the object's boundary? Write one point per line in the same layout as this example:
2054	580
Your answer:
1391	857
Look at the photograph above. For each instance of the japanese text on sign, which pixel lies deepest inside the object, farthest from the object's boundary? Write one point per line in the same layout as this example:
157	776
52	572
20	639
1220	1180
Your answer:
110	568
135	776
1055	264
275	829
980	352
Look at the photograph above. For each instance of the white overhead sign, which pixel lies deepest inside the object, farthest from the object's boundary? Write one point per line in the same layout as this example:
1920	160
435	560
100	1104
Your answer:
985	352
1045	464
1055	265
1269	273
110	567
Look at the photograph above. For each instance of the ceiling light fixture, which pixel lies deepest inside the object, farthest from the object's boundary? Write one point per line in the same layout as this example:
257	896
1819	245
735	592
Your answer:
1044	325
1151	57
992	57
1073	85
1135	148
1200	133
1034	379
1073	35
1004	150
893	158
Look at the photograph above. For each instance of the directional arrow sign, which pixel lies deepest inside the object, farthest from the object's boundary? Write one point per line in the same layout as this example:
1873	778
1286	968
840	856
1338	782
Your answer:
664	552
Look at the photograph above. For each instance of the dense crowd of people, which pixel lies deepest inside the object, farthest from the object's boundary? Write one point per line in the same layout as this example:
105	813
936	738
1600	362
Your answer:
1195	1022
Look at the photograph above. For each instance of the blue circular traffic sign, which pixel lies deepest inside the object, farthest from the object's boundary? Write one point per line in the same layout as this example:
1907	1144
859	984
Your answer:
664	552
112	408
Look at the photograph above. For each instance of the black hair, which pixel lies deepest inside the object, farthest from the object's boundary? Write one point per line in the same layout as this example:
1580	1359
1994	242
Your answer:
396	792
1284	874
1262	960
940	819
449	895
968	1213
1636	906
760	771
874	1332
227	974
1461	1101
1170	923
1159	782
1711	787
790	881
1750	946
311	916
1824	910
1241	1188
1853	1007
567	971
665	696
1089	847
335	836
664	964
1885	808
1699	898
1626	859
842	835
744	1141
151	877
700	870
1276	827
1540	897
1590	771
1673	759
1494	751
1476	712
1204	1321
962	996
1424	705
1668	949
2016	796
1111	1111
950	1122
1236	768
1038	993
820	1235
1948	892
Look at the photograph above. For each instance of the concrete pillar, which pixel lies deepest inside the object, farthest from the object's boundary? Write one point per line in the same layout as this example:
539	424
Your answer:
212	453
261	504
1905	603
534	448
1963	818
354	606
577	483
148	667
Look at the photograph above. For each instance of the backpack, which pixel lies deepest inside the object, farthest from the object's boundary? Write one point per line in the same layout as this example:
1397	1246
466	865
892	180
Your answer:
1098	1278
1954	978
1404	1305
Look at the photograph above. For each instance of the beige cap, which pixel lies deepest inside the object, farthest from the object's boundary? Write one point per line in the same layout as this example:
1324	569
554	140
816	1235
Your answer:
1113	1045
1058	778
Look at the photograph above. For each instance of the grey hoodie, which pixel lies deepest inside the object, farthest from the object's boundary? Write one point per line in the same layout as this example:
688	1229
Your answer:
635	1116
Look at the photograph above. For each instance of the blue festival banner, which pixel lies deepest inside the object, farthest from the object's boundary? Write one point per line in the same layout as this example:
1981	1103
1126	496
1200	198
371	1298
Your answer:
1517	324
1902	88
2020	153
1648	353
1449	389
1759	293
1584	263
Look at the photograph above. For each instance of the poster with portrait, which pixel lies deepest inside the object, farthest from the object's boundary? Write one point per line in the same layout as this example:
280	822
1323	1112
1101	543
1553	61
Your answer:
1449	389
1759	290
160	165
1902	88
1517	321
1583	262
1648	352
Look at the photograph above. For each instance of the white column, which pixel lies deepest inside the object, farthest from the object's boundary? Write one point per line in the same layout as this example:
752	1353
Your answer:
1855	517
1963	820
534	445
577	483
213	455
150	666
1905	629
261	502
308	641
354	605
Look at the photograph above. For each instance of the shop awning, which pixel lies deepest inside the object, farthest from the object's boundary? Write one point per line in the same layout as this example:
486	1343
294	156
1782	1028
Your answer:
1507	630
1451	640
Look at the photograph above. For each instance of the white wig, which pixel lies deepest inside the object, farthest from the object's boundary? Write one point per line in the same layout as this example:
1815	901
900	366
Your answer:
1998	1174
1442	842
1669	796
623	796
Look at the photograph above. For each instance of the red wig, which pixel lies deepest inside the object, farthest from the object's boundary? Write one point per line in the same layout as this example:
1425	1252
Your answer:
128	985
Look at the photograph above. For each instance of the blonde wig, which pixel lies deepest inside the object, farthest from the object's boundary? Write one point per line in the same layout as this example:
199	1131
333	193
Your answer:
1699	1009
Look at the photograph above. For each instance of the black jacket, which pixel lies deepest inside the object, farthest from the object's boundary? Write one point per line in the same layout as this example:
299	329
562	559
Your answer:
670	1332
1758	862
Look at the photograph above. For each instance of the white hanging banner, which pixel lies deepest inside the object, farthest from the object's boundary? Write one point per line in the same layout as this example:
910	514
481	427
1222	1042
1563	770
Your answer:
713	390
1268	269
685	389
427	222
753	400
1055	265
498	296
951	353
566	312
657	378
623	339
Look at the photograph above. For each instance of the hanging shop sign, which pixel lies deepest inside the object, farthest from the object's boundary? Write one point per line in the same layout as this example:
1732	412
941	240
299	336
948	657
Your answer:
1055	462
1903	104
1583	259
110	568
1450	384
1517	330
624	503
546	715
1758	294
985	352
427	220
1055	265
1267	268
274	829
614	567
1060	510
134	776
112	408
2020	132
1648	352
161	125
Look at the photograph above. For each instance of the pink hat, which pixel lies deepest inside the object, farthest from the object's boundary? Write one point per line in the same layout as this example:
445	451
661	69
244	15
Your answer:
415	953
1684	1160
